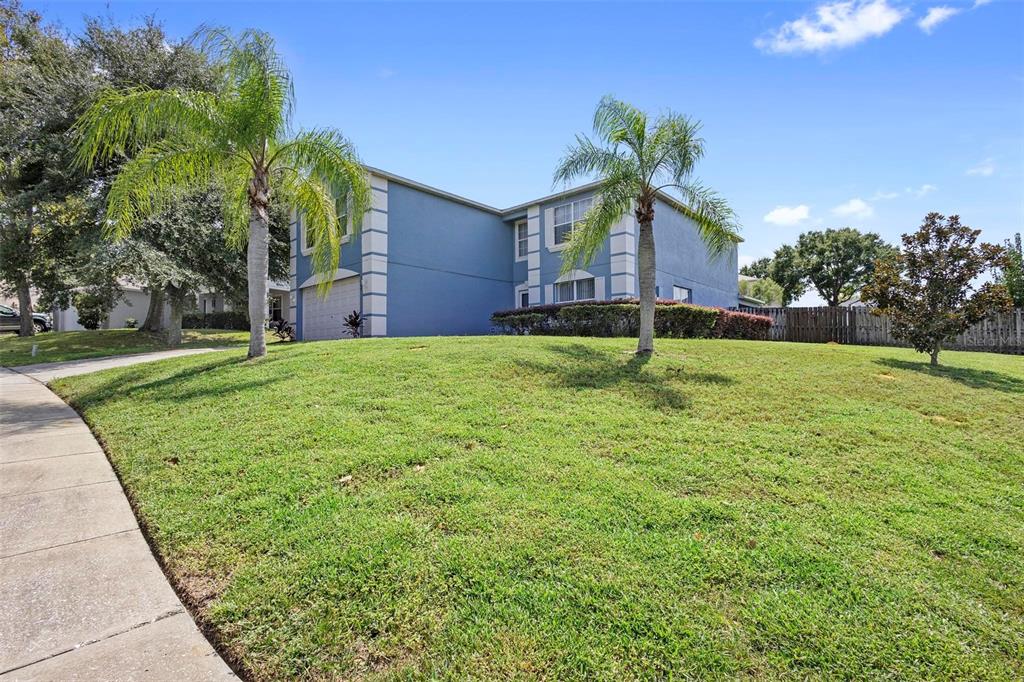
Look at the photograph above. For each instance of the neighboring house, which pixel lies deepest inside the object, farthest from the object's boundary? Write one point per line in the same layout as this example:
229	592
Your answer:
208	301
428	262
134	303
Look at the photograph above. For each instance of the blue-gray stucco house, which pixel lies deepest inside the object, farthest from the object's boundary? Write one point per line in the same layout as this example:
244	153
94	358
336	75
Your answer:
428	262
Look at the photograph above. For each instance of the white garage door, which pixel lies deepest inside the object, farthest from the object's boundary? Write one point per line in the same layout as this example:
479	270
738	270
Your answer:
322	317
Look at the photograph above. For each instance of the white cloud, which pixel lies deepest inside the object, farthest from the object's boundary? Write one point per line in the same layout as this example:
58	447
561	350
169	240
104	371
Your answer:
832	26
979	3
918	192
788	215
385	72
854	208
984	169
935	16
880	195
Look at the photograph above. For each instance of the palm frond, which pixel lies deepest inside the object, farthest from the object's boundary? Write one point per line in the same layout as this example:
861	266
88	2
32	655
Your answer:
716	221
586	158
327	157
613	200
617	122
676	147
255	82
119	121
232	182
152	180
314	200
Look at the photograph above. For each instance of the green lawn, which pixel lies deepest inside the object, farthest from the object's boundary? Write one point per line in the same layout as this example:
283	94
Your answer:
56	346
554	508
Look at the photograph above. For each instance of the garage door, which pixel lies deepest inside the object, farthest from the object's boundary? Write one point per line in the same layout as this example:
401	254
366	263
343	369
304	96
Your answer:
322	317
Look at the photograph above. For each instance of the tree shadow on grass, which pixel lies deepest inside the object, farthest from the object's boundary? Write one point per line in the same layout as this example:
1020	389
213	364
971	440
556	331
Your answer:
975	378
588	368
133	382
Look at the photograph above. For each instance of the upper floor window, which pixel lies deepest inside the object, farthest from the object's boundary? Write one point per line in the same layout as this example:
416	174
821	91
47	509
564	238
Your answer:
522	240
567	217
681	294
576	290
306	238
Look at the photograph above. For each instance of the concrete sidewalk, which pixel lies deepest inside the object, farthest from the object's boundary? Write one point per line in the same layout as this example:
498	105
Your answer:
81	596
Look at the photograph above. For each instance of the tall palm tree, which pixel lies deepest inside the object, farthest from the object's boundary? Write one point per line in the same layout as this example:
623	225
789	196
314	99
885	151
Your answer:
635	159
238	138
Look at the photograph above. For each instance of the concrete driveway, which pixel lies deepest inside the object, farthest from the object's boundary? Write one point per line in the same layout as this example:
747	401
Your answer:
82	596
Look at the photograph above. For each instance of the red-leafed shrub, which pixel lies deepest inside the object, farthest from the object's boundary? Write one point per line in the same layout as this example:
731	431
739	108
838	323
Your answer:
734	325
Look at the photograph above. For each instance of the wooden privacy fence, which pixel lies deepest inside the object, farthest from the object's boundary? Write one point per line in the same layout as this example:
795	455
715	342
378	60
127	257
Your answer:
1000	334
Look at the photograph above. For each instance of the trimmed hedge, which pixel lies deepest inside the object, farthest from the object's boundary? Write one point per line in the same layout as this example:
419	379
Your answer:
621	317
228	319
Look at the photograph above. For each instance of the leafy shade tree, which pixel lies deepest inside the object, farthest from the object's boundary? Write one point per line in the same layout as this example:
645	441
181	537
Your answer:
837	263
928	290
635	158
1012	273
43	84
783	270
237	138
765	290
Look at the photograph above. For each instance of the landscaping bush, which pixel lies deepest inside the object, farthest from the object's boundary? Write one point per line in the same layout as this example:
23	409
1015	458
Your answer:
92	310
734	325
229	319
621	317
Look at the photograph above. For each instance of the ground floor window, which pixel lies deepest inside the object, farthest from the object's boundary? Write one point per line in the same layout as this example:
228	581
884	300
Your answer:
576	290
524	299
275	308
681	294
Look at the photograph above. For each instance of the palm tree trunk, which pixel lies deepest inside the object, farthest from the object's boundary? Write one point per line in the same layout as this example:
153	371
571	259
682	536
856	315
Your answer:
259	263
28	327
645	262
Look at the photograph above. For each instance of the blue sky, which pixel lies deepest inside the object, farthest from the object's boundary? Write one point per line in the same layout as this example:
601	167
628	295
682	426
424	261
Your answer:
867	113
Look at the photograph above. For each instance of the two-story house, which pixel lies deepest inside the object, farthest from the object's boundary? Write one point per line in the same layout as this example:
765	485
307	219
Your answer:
428	262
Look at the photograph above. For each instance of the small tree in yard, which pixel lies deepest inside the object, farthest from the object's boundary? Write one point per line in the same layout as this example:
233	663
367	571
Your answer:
635	158
927	288
1012	272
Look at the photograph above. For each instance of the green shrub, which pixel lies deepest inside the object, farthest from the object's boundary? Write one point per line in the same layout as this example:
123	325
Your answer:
130	323
228	319
92	310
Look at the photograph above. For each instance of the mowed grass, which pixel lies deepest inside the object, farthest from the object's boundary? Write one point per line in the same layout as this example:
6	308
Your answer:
554	508
58	346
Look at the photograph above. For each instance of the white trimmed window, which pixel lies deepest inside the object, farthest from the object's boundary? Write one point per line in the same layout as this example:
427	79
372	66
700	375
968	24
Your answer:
522	240
341	210
567	218
524	298
575	290
681	294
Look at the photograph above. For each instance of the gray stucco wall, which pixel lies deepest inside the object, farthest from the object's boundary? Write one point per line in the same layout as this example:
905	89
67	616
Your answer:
682	259
449	265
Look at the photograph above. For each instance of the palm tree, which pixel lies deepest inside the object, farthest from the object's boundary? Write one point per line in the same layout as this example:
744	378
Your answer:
635	159
237	138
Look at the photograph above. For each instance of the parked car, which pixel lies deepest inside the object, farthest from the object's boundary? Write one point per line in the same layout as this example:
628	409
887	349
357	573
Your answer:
10	320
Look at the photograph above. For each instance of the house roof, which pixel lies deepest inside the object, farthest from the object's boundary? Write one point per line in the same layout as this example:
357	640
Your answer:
507	212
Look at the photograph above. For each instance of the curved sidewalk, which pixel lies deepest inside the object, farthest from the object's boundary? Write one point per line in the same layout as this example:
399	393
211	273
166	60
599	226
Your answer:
82	596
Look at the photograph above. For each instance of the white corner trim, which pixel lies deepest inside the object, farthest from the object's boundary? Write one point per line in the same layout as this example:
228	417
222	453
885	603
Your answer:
340	273
573	275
